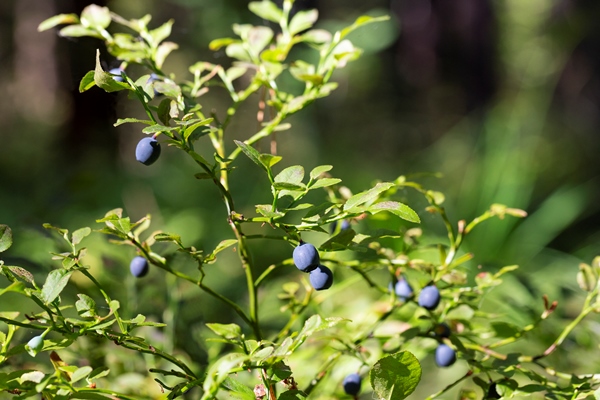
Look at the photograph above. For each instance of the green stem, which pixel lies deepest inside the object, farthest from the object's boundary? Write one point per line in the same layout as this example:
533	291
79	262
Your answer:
450	386
106	298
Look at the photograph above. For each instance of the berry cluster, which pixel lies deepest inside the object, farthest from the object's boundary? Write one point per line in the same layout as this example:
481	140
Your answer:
306	258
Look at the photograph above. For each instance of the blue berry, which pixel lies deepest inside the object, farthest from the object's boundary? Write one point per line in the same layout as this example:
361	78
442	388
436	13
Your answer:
351	384
116	73
139	267
147	150
445	356
306	257
403	289
321	278
429	297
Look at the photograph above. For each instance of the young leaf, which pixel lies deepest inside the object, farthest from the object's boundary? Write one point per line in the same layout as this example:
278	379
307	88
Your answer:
58	20
325	182
81	373
122	121
251	153
161	33
79	234
5	238
164	49
259	37
395	377
87	82
367	196
266	10
190	129
360	21
303	20
105	80
399	209
78	31
96	17
86	306
54	285
317	171
292	175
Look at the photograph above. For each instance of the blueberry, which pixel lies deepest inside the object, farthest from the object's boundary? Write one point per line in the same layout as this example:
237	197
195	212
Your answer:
154	78
403	289
321	278
306	257
116	73
442	330
139	267
351	384
147	150
444	356
35	345
429	297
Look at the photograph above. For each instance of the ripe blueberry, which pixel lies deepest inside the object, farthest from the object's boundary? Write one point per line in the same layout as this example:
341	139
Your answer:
306	257
403	289
351	384
429	297
321	278
116	73
444	356
442	330
139	267
147	150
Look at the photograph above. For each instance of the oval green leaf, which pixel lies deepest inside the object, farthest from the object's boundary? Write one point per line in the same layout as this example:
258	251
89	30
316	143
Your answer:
395	377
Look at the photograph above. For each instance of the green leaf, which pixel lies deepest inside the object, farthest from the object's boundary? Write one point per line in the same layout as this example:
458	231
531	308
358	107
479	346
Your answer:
81	373
237	51
16	286
395	377
266	210
266	10
79	234
122	121
218	43
158	128
224	244
87	82
325	182
303	20
317	36
293	175
251	153
58	20
259	37
20	272
86	306
360	21
318	171
219	371
96	17
190	129
98	373
239	390
164	49
78	31
367	196
288	186
226	331
54	285
341	241
293	394
106	81
269	160
5	238
161	33
399	209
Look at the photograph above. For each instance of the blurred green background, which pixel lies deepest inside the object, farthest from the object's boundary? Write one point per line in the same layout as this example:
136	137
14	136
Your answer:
500	97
